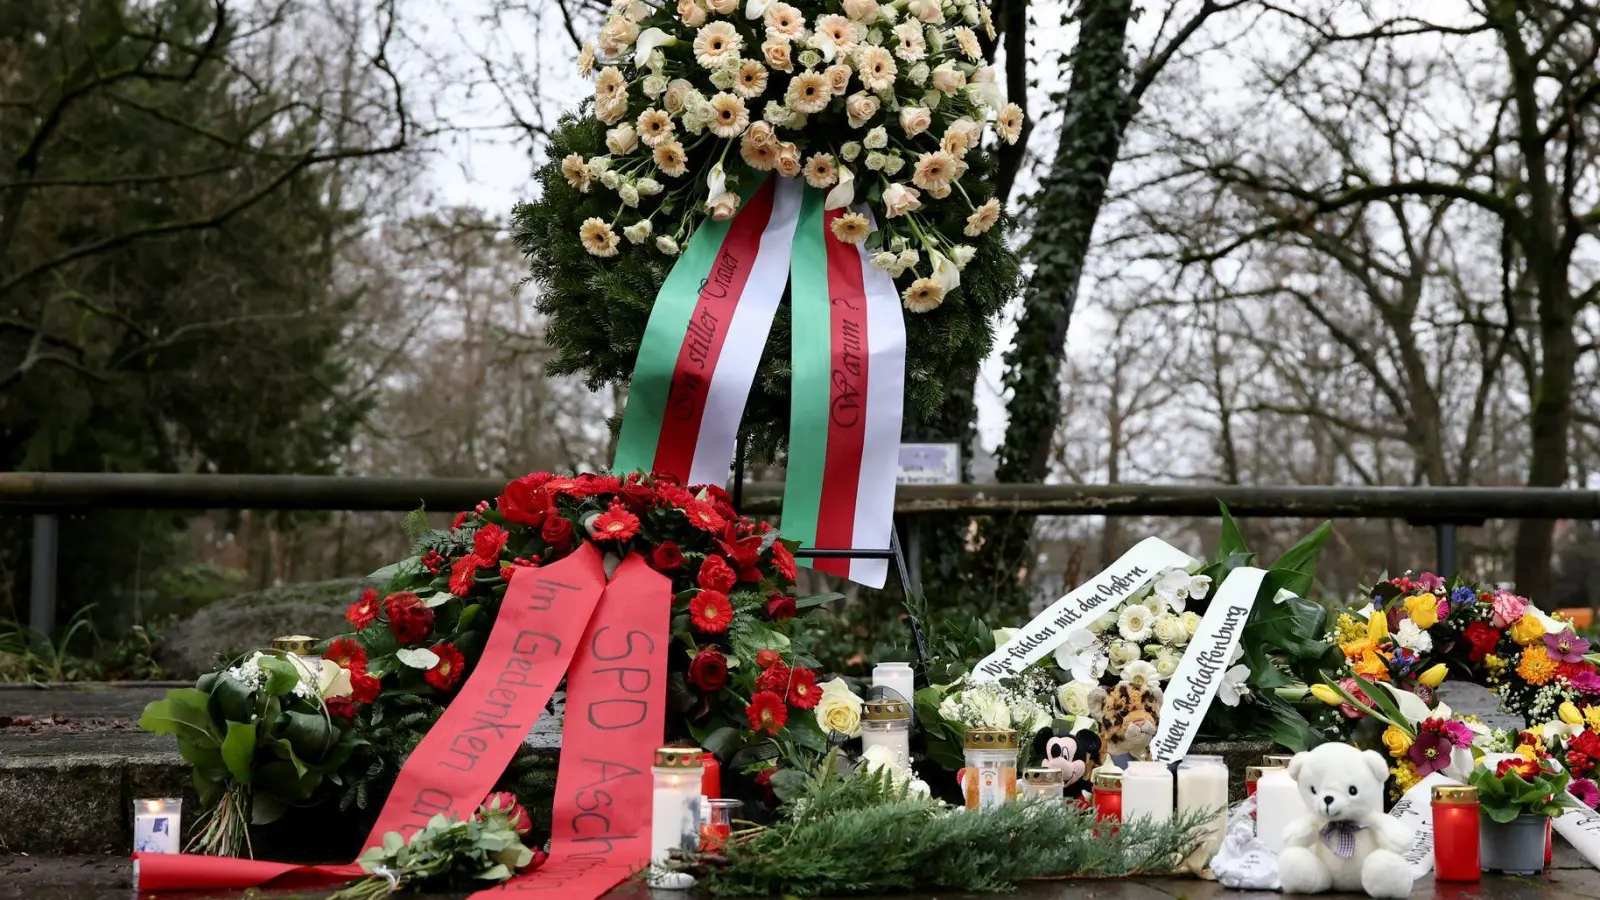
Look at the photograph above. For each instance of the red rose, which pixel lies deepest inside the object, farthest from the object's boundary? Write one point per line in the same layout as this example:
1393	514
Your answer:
767	713
538	859
363	611
783	560
487	544
348	653
716	575
446	674
1483	640
341	708
768	658
708	671
710	611
462	575
637	496
364	688
781	608
557	532
763	780
803	690
667	557
615	524
505	803
774	678
409	620
525	502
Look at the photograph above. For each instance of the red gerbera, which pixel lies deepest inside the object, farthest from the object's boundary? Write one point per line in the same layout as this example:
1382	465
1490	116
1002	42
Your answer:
774	678
363	611
768	658
561	485
616	524
409	619
767	713
781	607
462	575
341	708
710	611
364	688
708	671
803	690
674	496
557	532
667	557
487	544
703	517
1483	640
348	653
447	673
716	575
783	560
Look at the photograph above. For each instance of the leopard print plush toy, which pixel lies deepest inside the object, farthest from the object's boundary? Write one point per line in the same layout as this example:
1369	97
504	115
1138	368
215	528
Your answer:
1126	715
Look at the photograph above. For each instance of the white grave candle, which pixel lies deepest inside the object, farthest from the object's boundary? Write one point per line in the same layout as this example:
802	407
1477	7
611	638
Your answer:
1147	791
1203	785
897	677
1278	803
674	811
157	825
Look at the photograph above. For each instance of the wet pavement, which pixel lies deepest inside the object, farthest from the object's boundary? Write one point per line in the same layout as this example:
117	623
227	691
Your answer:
107	878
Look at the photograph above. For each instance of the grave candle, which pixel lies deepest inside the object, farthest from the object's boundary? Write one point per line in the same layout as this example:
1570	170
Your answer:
157	825
897	677
1278	803
1107	794
887	723
991	772
1147	791
1203	785
674	810
1455	833
711	779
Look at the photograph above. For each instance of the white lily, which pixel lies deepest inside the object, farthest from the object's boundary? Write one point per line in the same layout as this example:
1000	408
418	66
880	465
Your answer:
333	680
842	194
1413	708
947	273
649	40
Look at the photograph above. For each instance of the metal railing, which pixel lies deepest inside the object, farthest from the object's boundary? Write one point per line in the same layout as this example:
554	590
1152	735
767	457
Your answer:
49	495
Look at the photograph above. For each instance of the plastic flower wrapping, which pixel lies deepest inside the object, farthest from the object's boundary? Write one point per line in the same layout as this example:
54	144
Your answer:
874	103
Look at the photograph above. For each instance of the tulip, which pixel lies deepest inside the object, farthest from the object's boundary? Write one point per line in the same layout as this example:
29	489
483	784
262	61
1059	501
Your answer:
1326	694
1377	626
1434	676
1569	713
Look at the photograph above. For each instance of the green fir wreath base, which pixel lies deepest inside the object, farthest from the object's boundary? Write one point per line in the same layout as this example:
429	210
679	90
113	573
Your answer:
598	308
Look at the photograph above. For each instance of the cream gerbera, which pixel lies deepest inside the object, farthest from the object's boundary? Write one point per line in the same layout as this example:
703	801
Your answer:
983	218
933	171
876	67
610	83
924	295
752	79
671	159
598	238
912	45
783	20
762	157
729	117
1009	123
717	44
838	31
851	228
655	127
820	171
586	60
577	172
967	40
808	93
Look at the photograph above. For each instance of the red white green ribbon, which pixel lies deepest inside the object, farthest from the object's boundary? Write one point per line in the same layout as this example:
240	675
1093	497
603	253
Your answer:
849	352
704	338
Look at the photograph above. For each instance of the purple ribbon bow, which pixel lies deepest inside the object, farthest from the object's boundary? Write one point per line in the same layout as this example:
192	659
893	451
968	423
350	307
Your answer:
1340	837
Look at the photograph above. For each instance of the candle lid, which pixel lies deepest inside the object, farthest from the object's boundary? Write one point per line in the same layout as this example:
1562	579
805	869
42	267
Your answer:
885	710
298	644
1455	793
991	739
1254	773
1043	776
678	758
1105	780
1277	760
1201	759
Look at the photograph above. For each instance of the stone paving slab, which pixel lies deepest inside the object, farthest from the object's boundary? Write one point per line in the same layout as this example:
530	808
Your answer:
108	878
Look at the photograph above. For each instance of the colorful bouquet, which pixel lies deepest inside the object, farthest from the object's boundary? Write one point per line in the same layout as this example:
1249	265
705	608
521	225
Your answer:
1525	785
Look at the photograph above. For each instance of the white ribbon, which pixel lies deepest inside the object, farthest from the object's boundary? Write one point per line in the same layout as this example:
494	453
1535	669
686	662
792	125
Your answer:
1194	685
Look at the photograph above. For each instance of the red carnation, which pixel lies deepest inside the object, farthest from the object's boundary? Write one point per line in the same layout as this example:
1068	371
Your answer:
447	673
710	611
803	690
781	608
783	560
557	532
767	713
716	575
768	658
363	611
525	502
462	575
703	517
1483	640
1587	743
708	671
487	544
409	619
341	708
774	678
667	557
348	653
364	688
615	524
674	496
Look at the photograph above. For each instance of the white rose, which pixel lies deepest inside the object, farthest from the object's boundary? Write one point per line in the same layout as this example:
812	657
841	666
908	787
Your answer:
628	194
839	709
850	150
1167	663
897	198
723	206
610	179
1191	623
863	11
948	79
1106	620
638	232
876	139
1074	697
962	254
622	139
919	74
649	187
883	261
667	245
914	120
1124	652
1169	629
655	85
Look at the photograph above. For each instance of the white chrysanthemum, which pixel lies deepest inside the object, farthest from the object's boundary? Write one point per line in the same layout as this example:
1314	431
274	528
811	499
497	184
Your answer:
1135	623
1409	636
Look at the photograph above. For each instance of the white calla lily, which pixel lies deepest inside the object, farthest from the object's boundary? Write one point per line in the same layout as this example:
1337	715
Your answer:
755	9
1412	707
716	181
947	273
842	194
649	40
334	681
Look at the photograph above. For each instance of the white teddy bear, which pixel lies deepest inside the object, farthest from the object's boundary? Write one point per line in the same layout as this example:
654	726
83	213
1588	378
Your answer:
1346	842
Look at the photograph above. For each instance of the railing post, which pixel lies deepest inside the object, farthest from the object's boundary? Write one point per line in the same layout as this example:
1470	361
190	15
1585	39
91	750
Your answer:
42	593
1444	538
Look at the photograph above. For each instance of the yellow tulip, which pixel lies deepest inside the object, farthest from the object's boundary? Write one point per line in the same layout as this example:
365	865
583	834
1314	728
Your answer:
1569	714
1326	694
1377	626
1434	676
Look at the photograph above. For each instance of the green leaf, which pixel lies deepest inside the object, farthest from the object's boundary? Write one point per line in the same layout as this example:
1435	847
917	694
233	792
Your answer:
722	741
239	750
233	700
468	615
311	736
1301	559
282	675
393	570
815	600
415	523
1231	541
266	808
183	712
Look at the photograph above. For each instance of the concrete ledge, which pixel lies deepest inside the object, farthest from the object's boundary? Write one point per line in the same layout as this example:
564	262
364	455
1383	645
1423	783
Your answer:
74	793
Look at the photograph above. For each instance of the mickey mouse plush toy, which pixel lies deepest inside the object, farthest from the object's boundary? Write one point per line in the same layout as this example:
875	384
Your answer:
1074	755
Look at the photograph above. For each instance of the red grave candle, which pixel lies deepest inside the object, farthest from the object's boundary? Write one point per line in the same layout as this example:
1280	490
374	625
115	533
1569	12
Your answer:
1108	796
710	776
1455	833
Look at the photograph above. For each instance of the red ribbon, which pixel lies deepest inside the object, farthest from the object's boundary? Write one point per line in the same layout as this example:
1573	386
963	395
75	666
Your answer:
540	628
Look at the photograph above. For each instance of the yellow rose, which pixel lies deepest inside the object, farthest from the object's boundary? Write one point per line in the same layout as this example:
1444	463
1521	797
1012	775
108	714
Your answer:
1569	714
1377	626
1527	629
1326	694
1423	610
1396	740
839	709
1434	676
